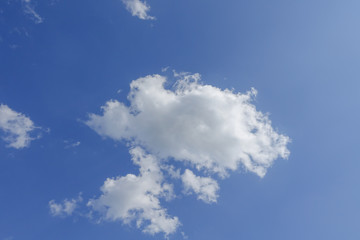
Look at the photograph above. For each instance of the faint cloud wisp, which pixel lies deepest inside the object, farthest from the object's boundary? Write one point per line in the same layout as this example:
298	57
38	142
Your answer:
29	10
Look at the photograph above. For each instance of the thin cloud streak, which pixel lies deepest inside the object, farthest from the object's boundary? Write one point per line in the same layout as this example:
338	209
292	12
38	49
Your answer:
29	10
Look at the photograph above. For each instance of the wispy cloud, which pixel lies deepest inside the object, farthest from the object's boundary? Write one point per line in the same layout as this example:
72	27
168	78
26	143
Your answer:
71	144
16	128
29	10
138	8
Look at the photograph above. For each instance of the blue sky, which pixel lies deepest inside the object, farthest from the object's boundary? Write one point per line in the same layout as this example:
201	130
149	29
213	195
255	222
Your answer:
201	161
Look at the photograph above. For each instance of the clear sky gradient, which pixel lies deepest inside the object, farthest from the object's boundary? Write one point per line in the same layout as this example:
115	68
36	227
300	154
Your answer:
61	60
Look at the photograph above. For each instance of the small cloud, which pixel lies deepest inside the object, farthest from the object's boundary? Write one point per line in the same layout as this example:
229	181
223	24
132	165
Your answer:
138	8
66	208
30	11
71	144
164	69
186	75
16	128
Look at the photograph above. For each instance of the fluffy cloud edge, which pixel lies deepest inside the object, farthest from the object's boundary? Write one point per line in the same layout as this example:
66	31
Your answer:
66	208
16	128
212	129
138	9
136	198
218	131
205	188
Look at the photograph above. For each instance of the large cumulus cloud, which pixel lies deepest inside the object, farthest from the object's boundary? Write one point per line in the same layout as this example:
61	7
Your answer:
205	131
212	129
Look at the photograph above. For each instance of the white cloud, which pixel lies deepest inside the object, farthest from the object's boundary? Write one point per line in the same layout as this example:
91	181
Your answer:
136	198
30	11
212	129
138	8
16	128
199	126
206	188
64	209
